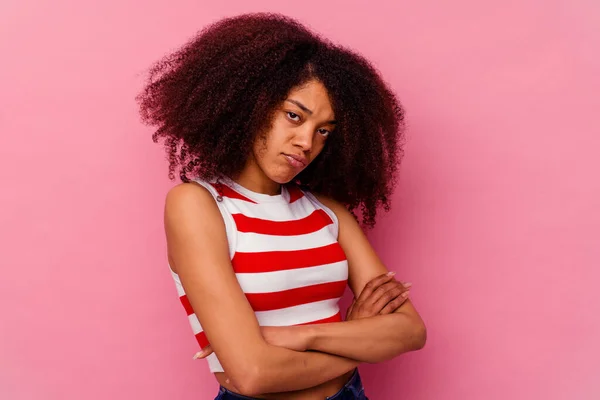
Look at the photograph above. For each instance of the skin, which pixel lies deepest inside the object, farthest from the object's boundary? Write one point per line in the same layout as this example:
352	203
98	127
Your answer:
273	362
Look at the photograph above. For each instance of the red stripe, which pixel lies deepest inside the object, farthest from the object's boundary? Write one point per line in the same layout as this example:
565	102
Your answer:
200	337
228	192
318	219
334	318
202	340
297	296
186	305
269	261
295	193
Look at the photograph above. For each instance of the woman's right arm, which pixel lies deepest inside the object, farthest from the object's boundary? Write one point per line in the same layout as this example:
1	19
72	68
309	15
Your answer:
197	247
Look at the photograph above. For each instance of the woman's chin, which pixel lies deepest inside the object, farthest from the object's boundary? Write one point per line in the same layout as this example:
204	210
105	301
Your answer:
282	179
283	174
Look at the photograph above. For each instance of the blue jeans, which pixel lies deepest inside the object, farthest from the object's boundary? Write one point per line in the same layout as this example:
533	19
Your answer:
352	390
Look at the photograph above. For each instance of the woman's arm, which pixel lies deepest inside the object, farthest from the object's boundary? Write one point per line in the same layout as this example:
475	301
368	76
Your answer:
370	322
197	248
381	337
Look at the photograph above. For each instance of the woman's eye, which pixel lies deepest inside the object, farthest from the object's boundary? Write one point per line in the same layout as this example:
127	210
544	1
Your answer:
292	115
325	132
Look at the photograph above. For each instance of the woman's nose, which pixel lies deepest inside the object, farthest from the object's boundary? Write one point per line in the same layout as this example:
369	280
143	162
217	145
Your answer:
303	139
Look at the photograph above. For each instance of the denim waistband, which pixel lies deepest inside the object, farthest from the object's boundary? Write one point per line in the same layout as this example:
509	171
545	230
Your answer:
353	389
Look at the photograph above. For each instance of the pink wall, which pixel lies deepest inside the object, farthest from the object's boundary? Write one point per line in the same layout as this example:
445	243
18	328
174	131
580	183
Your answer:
496	218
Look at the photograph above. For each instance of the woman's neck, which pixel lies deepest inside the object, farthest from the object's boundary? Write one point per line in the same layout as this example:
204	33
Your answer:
254	179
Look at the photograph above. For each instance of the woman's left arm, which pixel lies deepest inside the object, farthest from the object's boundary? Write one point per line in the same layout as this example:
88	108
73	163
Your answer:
373	339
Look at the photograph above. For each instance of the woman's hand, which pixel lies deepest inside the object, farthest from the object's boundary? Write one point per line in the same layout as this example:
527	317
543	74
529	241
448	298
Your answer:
382	295
290	337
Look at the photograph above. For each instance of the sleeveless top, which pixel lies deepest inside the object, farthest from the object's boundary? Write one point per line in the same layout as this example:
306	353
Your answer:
285	255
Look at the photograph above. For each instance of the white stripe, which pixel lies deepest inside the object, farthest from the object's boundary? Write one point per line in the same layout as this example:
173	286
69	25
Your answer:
249	242
277	281
298	314
196	327
214	364
299	209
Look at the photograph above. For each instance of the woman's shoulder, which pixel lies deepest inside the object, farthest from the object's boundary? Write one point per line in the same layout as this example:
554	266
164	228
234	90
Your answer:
193	196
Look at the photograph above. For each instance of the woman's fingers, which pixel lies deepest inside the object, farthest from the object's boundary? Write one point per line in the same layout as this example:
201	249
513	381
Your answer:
395	303
383	291
386	293
207	351
377	294
374	284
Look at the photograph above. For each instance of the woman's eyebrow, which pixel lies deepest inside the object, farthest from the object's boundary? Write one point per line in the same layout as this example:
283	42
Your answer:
306	109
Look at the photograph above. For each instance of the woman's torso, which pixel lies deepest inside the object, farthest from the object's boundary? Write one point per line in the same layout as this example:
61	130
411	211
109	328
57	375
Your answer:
288	262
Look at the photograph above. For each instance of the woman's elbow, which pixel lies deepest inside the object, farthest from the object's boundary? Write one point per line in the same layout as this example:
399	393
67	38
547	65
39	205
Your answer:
254	382
247	381
419	335
244	371
254	373
412	334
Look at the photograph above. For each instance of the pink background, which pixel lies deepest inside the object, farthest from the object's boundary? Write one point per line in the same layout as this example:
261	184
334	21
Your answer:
496	217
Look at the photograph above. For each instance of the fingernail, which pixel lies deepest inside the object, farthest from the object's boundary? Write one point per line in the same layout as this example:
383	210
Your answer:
198	354
391	273
407	284
405	294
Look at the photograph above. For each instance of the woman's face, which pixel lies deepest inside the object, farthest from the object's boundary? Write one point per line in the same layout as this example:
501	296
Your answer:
299	130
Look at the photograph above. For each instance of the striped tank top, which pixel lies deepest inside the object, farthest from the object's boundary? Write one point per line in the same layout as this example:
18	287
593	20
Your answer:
285	255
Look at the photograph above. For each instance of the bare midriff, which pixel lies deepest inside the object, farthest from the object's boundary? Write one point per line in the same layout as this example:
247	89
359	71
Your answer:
319	392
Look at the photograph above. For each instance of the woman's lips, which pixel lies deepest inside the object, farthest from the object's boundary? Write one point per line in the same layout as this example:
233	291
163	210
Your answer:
295	161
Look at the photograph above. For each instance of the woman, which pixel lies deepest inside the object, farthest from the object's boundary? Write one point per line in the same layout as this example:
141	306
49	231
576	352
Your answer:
278	135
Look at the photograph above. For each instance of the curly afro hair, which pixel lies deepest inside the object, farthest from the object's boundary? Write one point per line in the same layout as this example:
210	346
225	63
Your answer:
211	99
